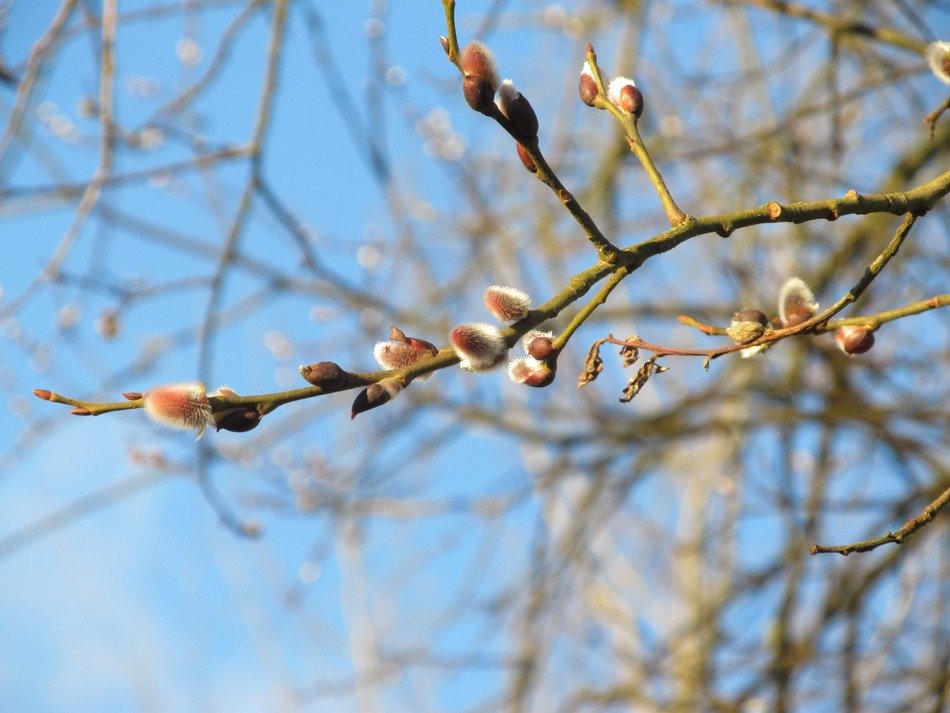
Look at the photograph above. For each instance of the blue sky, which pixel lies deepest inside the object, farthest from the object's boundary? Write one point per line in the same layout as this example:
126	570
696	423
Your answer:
149	602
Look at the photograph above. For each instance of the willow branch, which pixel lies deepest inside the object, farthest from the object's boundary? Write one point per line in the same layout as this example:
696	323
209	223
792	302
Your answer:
897	537
809	326
629	123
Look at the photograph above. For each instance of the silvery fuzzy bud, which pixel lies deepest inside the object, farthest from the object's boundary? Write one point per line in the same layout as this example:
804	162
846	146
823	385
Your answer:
852	339
402	351
476	60
480	77
796	303
587	86
376	395
507	304
938	58
530	372
180	406
480	346
327	374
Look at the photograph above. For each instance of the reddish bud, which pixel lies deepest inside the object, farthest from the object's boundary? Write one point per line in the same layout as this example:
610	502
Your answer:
324	373
81	411
44	394
526	159
587	87
477	61
132	395
620	94
479	94
530	372
631	99
852	339
237	420
445	43
532	335
507	304
375	395
751	315
540	378
480	346
796	303
541	348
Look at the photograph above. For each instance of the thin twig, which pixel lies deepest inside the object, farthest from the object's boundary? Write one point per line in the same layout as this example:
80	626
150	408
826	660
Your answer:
897	537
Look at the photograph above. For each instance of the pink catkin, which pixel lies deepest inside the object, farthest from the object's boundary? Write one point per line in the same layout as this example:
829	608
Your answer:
184	407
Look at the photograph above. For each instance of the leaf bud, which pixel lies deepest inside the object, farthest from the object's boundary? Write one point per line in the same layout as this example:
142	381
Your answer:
327	374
